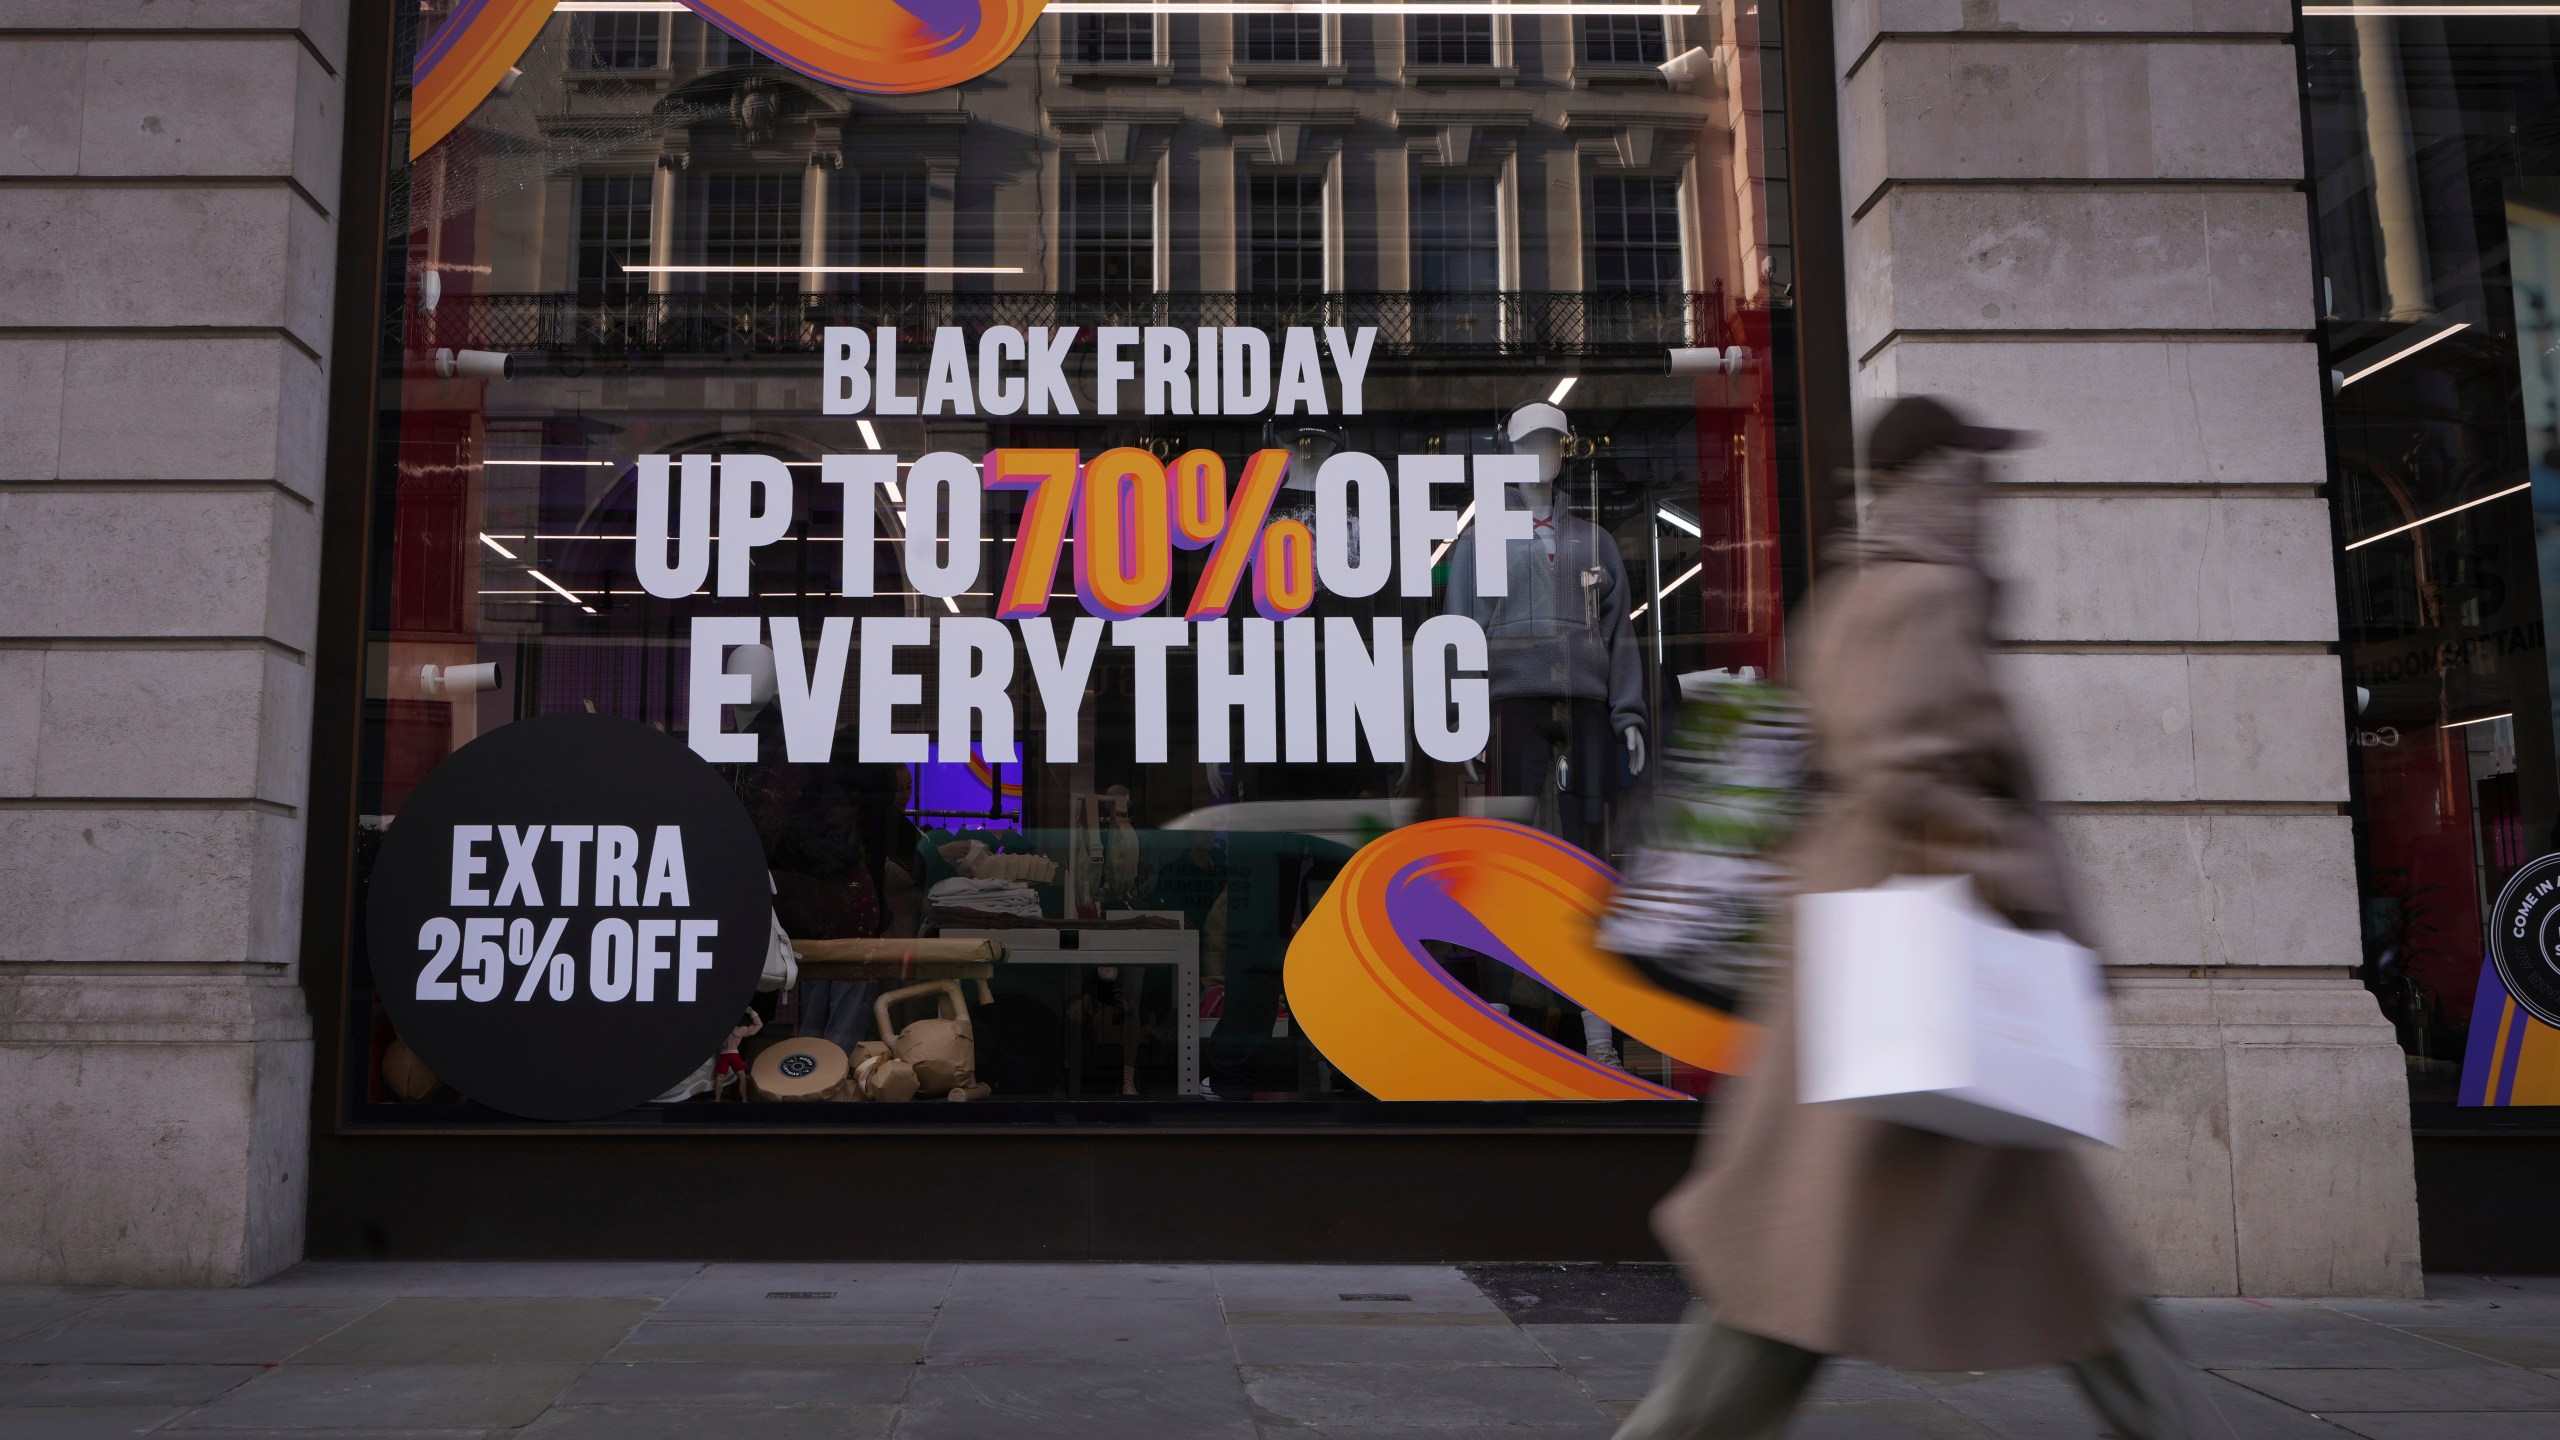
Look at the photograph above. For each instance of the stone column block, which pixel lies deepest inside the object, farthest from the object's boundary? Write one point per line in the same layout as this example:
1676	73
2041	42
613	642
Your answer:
215	724
1971	258
245	408
211	884
220	562
2068	110
240	257
2163	567
2196	887
2125	412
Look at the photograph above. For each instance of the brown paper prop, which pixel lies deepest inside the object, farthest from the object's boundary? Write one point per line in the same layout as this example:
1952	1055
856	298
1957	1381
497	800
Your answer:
944	1049
882	1077
805	1068
405	1075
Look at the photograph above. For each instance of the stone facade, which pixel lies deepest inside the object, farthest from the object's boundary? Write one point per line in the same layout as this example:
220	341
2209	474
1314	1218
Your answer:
168	194
2082	218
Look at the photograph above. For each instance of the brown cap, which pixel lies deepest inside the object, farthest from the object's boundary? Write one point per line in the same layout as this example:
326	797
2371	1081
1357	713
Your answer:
1917	424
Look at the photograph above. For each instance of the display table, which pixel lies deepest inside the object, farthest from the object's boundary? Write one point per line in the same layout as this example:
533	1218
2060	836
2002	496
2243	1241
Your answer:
1178	950
900	961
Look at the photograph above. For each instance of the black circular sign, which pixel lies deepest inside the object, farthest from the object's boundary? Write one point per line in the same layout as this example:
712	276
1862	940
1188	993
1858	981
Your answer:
568	916
2525	946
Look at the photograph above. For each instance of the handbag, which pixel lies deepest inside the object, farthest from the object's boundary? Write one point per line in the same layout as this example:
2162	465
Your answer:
1915	1003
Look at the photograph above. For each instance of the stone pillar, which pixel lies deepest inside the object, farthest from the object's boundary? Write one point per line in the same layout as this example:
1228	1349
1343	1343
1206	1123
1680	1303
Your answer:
166	256
2099	237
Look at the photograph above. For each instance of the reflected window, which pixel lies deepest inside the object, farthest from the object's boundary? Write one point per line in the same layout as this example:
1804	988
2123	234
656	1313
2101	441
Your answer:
1281	39
1115	234
1286	216
1621	39
617	40
750	228
1635	233
1452	40
613	232
1122	39
877	217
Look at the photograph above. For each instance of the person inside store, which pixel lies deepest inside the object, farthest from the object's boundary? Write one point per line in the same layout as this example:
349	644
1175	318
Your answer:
1819	1231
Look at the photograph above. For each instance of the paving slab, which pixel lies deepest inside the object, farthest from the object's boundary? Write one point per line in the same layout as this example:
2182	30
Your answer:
1589	1430
713	1422
2023	1405
1567	1294
2461	1300
104	1422
810	1294
2471	1388
1842	1380
2535	1347
2489	1426
31	1307
713	1383
1423	1289
1076	1402
1573	1345
1385	1344
382	1397
1044	1287
1585	1431
493	1279
2253	1335
2253	1416
1422	1395
422	1330
1884	1420
190	1327
686	1343
1178	1331
24	1385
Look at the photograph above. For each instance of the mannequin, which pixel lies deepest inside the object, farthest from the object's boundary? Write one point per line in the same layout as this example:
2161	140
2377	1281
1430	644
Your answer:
1562	633
1566	672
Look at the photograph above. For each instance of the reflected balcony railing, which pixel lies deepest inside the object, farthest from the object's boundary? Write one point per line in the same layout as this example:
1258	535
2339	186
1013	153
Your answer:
1409	325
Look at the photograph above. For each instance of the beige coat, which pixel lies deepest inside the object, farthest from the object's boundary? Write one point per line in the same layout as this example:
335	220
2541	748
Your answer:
1858	1237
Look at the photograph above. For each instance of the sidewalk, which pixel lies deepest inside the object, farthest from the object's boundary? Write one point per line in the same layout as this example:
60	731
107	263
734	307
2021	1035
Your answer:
636	1351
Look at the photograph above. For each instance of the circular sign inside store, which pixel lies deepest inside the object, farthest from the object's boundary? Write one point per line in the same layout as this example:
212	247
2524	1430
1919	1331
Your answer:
2526	944
568	916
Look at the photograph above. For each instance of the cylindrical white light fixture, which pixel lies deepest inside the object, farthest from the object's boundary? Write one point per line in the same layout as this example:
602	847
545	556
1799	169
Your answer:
475	365
451	682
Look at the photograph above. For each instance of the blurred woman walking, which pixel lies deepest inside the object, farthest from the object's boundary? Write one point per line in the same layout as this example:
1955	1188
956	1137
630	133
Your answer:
1816	1231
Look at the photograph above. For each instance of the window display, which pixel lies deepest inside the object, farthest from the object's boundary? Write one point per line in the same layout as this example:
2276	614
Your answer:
2439	228
1179	527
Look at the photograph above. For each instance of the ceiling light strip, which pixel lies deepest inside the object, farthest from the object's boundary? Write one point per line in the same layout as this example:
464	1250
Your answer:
2431	519
822	269
2413	12
2397	356
2478	720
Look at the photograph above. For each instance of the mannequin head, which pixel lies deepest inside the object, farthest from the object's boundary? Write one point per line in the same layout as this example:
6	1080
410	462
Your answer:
1540	429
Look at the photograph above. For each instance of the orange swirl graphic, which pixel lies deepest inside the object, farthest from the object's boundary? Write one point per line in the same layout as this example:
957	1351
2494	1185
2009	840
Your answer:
875	46
1384	1012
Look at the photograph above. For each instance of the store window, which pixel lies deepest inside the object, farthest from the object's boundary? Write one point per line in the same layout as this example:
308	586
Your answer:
1120	550
2435	143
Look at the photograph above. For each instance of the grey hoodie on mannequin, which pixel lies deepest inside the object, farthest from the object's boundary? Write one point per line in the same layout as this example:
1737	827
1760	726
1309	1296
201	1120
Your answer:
1553	636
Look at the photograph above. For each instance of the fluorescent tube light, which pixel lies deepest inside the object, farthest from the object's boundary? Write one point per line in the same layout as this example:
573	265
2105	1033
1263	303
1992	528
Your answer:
494	545
2427	519
555	586
870	436
550	462
1677	521
2479	720
1563	387
2396	356
1466	517
822	269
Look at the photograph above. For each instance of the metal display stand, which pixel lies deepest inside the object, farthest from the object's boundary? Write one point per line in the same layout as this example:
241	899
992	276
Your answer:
1069	945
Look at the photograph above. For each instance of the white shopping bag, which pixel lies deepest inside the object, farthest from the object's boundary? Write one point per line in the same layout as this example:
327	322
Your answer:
1916	1004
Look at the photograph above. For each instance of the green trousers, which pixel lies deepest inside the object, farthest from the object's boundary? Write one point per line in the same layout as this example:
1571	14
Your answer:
1720	1383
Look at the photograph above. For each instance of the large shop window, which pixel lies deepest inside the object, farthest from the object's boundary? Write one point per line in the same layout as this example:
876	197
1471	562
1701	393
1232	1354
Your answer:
1181	582
2435	141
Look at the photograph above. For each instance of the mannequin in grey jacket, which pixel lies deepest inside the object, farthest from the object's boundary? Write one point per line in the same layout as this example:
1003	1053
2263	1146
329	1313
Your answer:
1563	632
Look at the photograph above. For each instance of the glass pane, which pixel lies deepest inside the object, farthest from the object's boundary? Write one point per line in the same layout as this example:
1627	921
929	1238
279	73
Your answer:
2438	206
1417	528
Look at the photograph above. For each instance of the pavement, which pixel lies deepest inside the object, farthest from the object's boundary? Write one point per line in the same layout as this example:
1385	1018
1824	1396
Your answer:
638	1351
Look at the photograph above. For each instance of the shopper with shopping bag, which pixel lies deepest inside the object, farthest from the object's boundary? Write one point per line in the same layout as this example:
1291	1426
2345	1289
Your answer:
1824	1230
